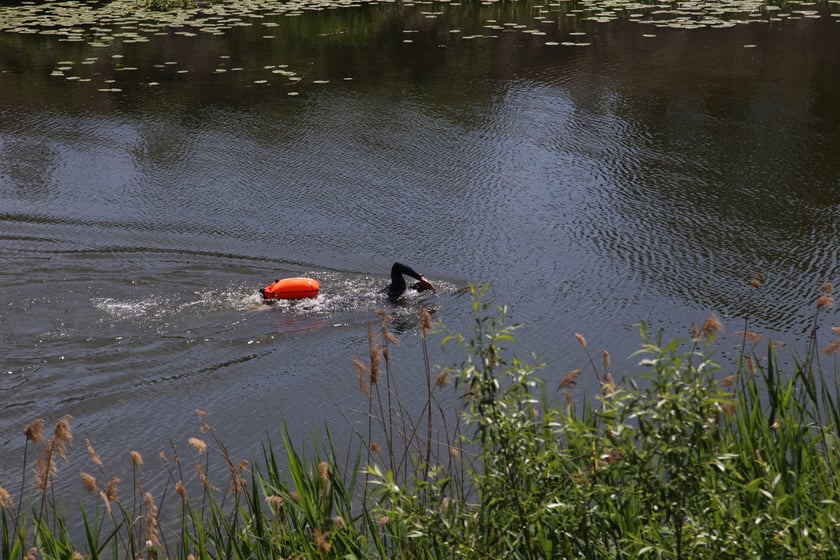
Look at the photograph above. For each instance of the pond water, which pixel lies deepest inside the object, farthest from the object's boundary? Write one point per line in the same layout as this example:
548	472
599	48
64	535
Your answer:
597	171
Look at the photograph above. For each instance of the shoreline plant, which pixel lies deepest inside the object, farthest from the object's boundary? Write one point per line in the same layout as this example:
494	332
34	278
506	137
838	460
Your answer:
681	461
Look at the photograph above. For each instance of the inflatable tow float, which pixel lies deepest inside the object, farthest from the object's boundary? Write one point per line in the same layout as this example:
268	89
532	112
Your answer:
291	288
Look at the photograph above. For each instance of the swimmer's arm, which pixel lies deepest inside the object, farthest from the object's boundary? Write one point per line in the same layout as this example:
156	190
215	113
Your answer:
422	284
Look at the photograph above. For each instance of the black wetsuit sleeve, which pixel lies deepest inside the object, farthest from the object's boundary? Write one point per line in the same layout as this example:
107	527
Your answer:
399	269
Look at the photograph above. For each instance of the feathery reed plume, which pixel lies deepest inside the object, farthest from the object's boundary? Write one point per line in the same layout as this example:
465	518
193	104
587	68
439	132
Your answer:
5	499
608	385
62	436
375	353
750	336
322	542
45	467
324	473
751	365
835	330
425	321
711	327
57	445
606	356
111	490
827	288
136	459
198	444
757	280
442	378
106	502
202	476
570	379
363	373
825	301
389	336
238	484
92	454
34	431
181	490
386	320
833	347
385	316
695	332
728	381
374	448
276	503
152	539
200	413
89	482
582	341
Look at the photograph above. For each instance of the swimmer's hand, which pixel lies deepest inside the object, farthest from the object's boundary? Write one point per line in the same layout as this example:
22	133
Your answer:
426	285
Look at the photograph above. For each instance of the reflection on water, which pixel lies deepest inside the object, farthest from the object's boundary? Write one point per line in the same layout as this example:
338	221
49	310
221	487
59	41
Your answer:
646	173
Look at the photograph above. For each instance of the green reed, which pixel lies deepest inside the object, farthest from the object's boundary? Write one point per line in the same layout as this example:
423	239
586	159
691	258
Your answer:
680	460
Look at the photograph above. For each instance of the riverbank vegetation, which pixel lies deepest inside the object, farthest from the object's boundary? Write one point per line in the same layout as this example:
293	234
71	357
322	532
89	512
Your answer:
686	460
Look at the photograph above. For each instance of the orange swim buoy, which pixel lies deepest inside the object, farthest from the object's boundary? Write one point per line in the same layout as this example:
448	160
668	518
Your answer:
291	288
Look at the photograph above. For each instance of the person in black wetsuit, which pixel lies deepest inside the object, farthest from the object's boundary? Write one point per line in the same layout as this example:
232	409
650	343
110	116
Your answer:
398	286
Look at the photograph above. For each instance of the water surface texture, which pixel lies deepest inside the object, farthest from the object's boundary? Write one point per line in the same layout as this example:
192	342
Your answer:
154	175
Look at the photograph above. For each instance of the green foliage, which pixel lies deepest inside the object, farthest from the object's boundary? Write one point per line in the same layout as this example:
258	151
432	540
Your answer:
673	466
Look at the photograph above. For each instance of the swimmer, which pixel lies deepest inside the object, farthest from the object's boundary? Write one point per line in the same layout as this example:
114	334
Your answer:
398	286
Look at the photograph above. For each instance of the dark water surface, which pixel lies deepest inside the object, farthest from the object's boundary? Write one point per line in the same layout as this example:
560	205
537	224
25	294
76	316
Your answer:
645	174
